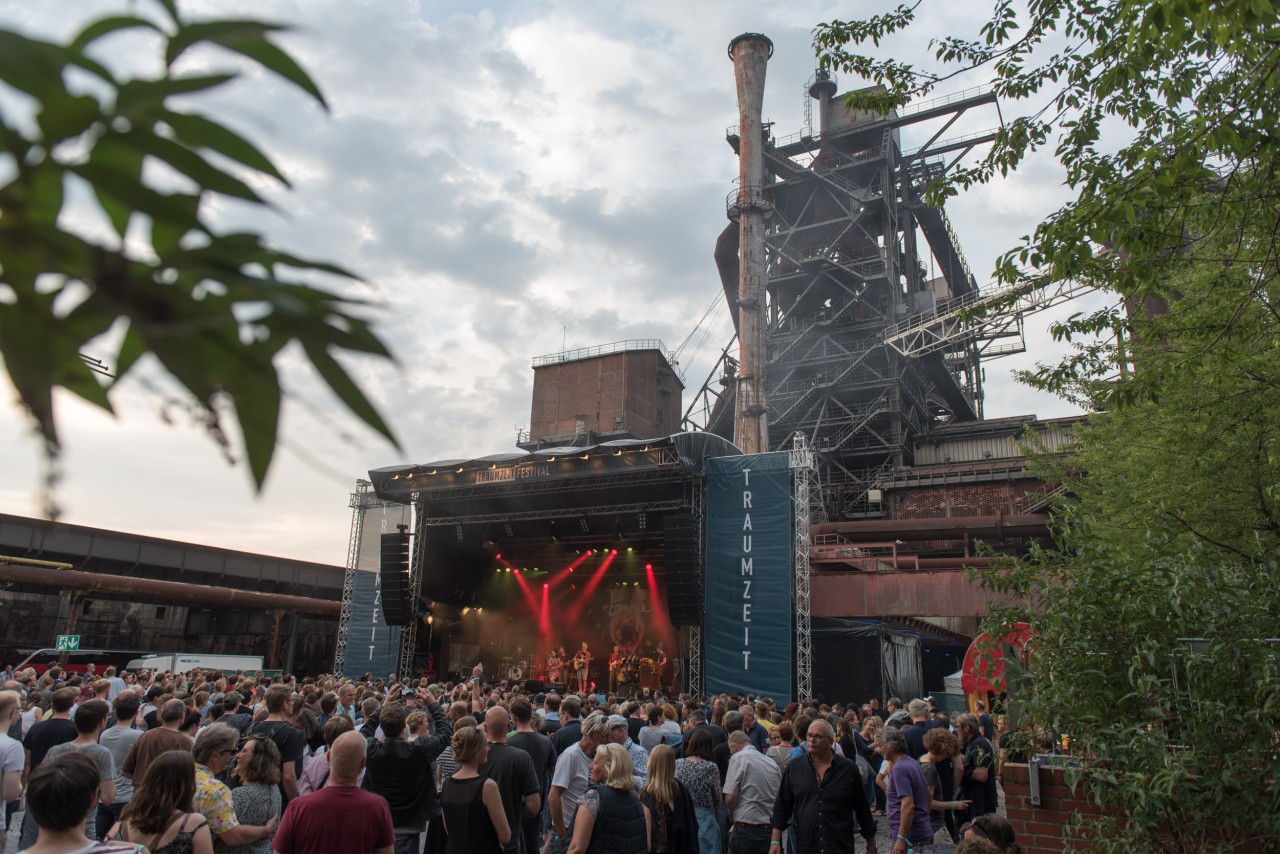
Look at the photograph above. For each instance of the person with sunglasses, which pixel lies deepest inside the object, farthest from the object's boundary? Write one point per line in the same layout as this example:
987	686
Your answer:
215	747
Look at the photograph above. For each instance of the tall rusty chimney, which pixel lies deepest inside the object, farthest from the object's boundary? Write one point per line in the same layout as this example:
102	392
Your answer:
750	53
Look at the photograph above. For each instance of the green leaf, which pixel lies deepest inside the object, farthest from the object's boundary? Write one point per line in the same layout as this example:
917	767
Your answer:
66	116
207	176
256	392
248	38
199	132
46	193
347	391
105	26
145	98
32	66
166	235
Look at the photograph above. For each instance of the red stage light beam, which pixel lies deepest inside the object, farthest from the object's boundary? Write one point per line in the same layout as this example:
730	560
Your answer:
568	570
529	598
544	616
575	610
658	610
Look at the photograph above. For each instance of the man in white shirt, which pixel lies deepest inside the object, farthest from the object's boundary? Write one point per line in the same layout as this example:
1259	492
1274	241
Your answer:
750	789
573	775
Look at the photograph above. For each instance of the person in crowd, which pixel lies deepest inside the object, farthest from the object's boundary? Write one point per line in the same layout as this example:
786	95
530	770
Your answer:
235	713
782	742
290	743
156	741
215	746
43	737
698	772
512	769
820	795
570	729
673	819
401	771
316	771
753	728
994	829
611	817
979	775
12	758
653	734
977	845
543	755
257	799
750	789
471	805
340	818
159	814
906	794
942	774
618	734
61	793
90	720
572	777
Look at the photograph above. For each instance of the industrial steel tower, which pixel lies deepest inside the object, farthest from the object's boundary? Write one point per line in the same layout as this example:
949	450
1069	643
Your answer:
837	220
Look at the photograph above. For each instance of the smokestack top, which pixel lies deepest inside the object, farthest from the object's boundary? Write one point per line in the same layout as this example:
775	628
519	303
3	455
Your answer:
746	36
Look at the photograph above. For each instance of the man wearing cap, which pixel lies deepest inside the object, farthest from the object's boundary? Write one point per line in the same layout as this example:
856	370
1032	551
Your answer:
619	734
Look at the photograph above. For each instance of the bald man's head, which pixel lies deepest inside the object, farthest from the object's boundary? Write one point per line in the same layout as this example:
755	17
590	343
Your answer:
496	724
346	759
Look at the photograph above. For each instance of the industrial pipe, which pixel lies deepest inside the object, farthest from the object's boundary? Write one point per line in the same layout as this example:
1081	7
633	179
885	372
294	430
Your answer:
1002	526
167	591
750	53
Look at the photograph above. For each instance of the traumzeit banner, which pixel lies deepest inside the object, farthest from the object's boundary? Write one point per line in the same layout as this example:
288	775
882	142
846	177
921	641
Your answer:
748	579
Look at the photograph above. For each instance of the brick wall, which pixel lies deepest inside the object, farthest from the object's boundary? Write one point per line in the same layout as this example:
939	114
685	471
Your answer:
1041	829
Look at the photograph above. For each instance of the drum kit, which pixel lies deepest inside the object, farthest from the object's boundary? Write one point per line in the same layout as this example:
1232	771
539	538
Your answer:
516	669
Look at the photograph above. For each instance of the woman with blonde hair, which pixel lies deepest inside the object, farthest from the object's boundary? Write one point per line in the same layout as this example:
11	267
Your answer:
674	824
471	805
610	816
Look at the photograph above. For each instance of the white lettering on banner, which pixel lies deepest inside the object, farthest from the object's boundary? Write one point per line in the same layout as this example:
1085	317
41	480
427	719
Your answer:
746	588
746	523
746	635
746	500
746	660
746	544
746	566
746	612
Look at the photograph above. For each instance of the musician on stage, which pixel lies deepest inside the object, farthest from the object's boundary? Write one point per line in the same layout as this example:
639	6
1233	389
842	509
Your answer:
555	665
615	662
630	670
660	663
581	663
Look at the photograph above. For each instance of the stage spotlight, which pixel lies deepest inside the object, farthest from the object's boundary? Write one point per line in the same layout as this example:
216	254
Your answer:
648	567
508	569
466	611
545	585
614	552
586	526
630	550
458	528
480	611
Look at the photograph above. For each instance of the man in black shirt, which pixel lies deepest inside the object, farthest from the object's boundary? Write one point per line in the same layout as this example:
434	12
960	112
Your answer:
290	741
540	750
979	781
819	795
403	771
41	738
570	731
512	769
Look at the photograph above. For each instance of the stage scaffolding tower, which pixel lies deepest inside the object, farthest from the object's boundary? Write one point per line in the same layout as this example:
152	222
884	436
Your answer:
362	500
805	498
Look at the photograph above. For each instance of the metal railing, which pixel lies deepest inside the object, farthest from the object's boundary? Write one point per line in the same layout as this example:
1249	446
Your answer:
943	100
628	346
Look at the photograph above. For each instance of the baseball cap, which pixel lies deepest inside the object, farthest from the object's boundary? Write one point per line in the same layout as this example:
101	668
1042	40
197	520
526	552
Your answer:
617	720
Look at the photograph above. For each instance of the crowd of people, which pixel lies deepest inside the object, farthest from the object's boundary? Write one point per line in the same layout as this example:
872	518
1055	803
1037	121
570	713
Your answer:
202	762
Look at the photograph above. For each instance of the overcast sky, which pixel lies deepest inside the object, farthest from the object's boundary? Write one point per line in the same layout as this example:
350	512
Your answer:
509	179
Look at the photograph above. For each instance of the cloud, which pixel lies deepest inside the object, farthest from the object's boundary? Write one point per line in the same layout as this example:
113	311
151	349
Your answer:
508	179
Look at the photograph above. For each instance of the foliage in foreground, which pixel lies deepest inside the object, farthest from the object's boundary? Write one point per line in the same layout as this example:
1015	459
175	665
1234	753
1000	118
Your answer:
215	309
1157	608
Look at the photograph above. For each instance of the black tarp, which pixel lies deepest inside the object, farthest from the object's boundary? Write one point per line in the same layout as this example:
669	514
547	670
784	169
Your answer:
854	661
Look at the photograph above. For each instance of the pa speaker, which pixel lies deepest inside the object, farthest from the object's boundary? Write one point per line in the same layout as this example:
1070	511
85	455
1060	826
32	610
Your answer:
534	686
684	569
397	607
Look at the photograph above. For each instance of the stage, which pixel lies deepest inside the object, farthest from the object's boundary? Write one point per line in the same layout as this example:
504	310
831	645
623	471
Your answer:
517	555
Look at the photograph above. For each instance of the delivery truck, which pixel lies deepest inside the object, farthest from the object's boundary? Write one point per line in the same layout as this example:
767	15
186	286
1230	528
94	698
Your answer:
181	662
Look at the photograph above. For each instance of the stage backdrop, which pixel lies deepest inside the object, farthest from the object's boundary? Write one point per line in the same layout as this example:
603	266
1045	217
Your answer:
748	632
372	645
